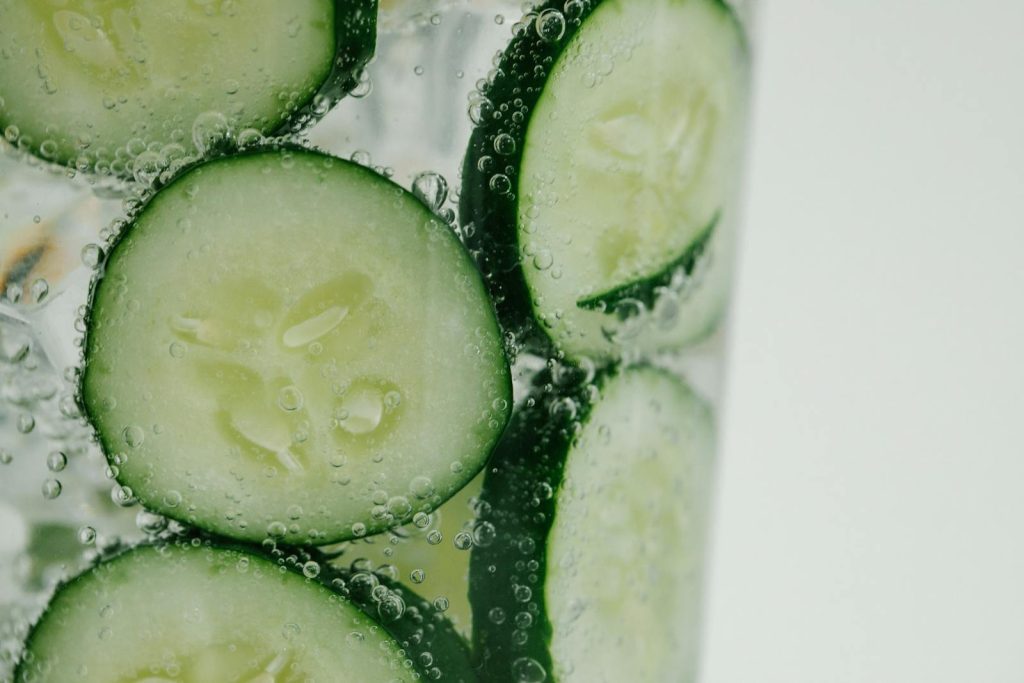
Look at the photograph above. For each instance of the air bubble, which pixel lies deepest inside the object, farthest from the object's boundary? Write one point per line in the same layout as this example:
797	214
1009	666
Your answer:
51	489
431	188
290	399
150	523
528	670
391	608
40	288
209	131
422	487
417	576
6	457
92	256
496	615
463	540
504	144
86	535
26	423
434	537
56	461
172	499
311	570
500	183
133	436
484	534
358	529
276	530
550	25
441	604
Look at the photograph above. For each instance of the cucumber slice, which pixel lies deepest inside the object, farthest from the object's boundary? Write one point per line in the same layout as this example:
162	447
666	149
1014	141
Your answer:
288	344
607	155
125	87
185	614
599	516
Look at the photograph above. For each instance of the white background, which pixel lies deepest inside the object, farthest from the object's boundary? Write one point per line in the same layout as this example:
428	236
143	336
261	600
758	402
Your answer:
870	513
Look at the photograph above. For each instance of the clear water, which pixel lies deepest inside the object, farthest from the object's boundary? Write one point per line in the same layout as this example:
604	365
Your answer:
60	507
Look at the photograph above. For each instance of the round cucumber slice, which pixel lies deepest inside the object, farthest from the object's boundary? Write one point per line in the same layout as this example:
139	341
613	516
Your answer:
599	516
125	88
287	344
195	614
604	170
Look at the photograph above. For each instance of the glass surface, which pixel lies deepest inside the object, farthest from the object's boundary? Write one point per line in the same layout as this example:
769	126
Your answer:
576	553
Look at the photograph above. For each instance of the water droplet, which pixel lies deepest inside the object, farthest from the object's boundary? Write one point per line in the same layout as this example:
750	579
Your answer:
431	188
289	399
550	25
528	670
51	489
56	461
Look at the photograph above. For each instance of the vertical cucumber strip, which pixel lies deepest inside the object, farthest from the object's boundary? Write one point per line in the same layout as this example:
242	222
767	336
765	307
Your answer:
286	344
605	163
599	520
184	614
123	87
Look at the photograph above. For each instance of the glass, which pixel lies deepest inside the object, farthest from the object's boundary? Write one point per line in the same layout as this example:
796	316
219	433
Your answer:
577	552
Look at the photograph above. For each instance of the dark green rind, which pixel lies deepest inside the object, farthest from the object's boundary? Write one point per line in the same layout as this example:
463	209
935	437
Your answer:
84	400
420	629
646	290
489	217
518	499
355	31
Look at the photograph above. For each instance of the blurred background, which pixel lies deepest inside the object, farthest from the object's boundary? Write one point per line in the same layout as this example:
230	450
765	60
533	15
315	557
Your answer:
870	512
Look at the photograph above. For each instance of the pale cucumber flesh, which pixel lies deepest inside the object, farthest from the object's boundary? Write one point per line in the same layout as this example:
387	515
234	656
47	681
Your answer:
287	344
183	614
631	154
625	551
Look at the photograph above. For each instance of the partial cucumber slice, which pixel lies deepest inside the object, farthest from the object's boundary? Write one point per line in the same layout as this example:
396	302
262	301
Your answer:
288	344
600	516
184	614
607	157
123	87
